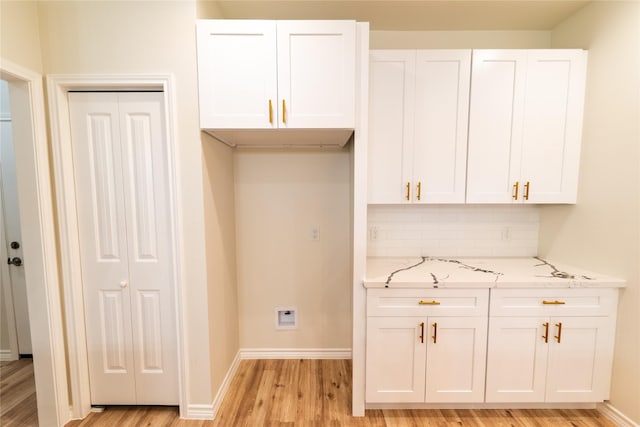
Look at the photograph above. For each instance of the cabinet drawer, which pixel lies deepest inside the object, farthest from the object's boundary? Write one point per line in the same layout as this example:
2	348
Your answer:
553	302
427	302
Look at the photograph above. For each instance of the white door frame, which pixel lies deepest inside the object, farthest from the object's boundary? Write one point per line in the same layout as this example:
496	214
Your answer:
39	242
58	87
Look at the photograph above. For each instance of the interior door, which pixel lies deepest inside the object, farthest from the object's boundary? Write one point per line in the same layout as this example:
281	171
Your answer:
120	166
11	217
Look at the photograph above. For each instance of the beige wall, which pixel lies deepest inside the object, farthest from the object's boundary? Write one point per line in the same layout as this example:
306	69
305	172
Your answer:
20	34
220	234
107	37
602	231
459	39
280	196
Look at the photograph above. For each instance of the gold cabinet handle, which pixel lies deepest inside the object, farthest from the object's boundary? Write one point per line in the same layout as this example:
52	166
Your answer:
429	302
515	190
546	332
408	196
557	337
270	112
435	332
422	332
284	111
526	191
556	302
419	189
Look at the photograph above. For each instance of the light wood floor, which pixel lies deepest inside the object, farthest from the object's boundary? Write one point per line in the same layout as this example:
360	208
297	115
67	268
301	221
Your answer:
313	393
17	394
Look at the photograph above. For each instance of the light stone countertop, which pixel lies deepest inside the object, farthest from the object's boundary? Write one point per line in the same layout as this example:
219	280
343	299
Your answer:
462	272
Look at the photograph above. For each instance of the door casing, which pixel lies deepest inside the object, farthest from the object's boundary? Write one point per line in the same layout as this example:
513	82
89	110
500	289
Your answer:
39	242
58	87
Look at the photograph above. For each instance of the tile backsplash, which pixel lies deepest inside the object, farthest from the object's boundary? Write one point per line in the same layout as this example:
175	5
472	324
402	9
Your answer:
448	230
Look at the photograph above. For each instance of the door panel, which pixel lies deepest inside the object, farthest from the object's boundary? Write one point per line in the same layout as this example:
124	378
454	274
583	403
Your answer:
125	239
440	132
95	131
149	247
237	72
579	363
456	355
495	119
516	364
391	99
395	359
11	218
316	74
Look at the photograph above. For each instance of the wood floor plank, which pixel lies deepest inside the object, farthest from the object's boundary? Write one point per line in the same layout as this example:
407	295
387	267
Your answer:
283	393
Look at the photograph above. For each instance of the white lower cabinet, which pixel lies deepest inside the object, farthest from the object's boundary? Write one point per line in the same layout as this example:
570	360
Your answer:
538	345
563	356
438	356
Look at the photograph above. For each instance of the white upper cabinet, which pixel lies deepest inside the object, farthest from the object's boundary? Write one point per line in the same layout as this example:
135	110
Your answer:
525	126
418	111
316	74
391	101
257	74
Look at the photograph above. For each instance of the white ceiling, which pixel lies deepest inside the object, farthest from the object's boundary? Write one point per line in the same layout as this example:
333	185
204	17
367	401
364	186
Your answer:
418	15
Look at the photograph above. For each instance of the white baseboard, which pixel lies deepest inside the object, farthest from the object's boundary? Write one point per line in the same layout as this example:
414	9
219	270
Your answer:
8	356
295	353
224	387
614	414
199	412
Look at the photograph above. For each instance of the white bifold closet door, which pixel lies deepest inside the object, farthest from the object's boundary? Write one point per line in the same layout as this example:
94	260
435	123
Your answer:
120	161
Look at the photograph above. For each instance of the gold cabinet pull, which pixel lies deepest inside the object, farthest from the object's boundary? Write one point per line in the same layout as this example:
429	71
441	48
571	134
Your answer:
435	332
419	189
515	190
556	302
422	332
429	302
546	332
408	196
557	337
526	191
284	111
270	112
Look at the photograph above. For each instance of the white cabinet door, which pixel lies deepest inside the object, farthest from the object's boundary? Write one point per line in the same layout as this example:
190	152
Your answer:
418	115
552	127
316	74
580	358
395	365
456	355
495	118
391	100
525	126
516	360
437	166
237	74
120	168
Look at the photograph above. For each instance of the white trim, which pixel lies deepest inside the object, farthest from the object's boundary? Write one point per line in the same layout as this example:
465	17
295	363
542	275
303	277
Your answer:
224	387
39	243
295	353
199	412
480	405
58	87
8	355
614	414
359	220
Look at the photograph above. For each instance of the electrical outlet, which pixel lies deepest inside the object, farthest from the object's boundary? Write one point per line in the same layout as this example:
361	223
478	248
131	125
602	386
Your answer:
373	233
315	233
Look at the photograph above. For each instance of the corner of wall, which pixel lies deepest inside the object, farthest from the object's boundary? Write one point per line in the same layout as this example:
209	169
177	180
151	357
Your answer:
219	207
